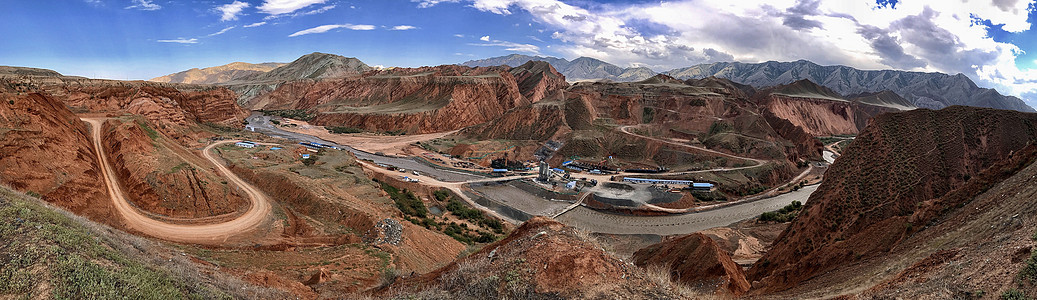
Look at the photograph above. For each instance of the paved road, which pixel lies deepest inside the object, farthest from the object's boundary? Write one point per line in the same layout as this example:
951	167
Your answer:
209	234
595	221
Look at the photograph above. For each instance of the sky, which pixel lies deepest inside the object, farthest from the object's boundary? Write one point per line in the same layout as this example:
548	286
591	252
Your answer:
990	41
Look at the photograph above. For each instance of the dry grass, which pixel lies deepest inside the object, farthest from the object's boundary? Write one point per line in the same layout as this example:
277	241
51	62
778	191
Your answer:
94	259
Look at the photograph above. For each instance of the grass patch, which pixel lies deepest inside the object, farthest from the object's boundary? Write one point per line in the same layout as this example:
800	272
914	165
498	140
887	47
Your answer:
45	248
1013	294
148	130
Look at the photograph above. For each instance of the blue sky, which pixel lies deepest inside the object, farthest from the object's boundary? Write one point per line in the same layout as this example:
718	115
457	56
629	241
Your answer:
990	41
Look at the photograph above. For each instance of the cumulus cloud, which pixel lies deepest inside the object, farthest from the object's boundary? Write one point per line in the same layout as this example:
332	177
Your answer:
485	38
326	28
943	36
144	5
230	11
180	41
403	27
280	7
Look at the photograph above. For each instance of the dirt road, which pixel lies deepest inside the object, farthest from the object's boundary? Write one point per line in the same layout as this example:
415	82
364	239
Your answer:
757	162
258	213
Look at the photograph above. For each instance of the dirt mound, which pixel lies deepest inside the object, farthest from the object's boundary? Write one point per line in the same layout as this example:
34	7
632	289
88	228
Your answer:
47	151
540	259
164	179
865	208
698	261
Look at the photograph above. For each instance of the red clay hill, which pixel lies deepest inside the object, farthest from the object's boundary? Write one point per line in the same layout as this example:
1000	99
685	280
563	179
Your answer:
876	196
542	259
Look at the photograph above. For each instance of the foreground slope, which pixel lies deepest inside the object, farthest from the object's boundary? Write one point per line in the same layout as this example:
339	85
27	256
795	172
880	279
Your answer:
888	173
542	259
50	253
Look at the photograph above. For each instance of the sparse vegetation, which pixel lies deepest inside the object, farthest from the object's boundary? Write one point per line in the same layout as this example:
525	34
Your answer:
647	115
719	127
297	114
785	214
48	255
342	129
1013	294
148	130
1029	272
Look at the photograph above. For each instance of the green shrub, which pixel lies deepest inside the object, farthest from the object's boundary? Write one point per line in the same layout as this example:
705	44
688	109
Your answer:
1013	294
406	201
1029	272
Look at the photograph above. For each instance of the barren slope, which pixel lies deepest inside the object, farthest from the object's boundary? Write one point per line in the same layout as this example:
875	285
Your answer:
863	210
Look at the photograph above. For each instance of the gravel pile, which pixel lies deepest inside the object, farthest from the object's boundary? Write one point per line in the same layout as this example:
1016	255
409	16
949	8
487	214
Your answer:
391	232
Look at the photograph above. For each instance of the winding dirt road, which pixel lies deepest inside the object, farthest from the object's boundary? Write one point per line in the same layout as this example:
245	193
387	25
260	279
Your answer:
757	162
258	212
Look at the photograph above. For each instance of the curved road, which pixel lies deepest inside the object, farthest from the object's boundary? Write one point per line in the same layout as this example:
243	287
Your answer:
758	162
209	234
595	221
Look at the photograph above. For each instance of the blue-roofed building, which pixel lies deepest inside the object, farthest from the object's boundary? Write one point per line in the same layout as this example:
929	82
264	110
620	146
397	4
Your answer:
246	144
657	181
702	186
500	170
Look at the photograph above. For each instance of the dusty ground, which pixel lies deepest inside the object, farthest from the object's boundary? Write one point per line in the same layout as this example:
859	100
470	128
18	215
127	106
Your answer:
388	144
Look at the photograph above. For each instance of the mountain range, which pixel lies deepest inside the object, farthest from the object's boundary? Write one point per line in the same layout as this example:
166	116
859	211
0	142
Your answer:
925	90
580	69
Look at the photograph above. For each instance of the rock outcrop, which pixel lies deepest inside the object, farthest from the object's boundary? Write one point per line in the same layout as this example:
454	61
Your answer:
697	261
819	110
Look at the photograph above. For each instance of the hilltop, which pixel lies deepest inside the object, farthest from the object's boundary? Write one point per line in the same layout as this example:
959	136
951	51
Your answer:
218	74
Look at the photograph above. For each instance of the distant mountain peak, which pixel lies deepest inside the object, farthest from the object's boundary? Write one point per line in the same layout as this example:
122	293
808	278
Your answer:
579	69
217	74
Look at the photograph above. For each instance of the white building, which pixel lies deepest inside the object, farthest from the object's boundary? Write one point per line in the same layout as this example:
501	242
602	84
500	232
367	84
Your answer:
246	144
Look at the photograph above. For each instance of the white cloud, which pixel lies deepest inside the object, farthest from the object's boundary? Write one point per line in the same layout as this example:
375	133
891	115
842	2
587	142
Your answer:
326	28
221	31
279	7
933	35
403	27
230	11
180	41
256	24
144	5
485	38
510	46
459	35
